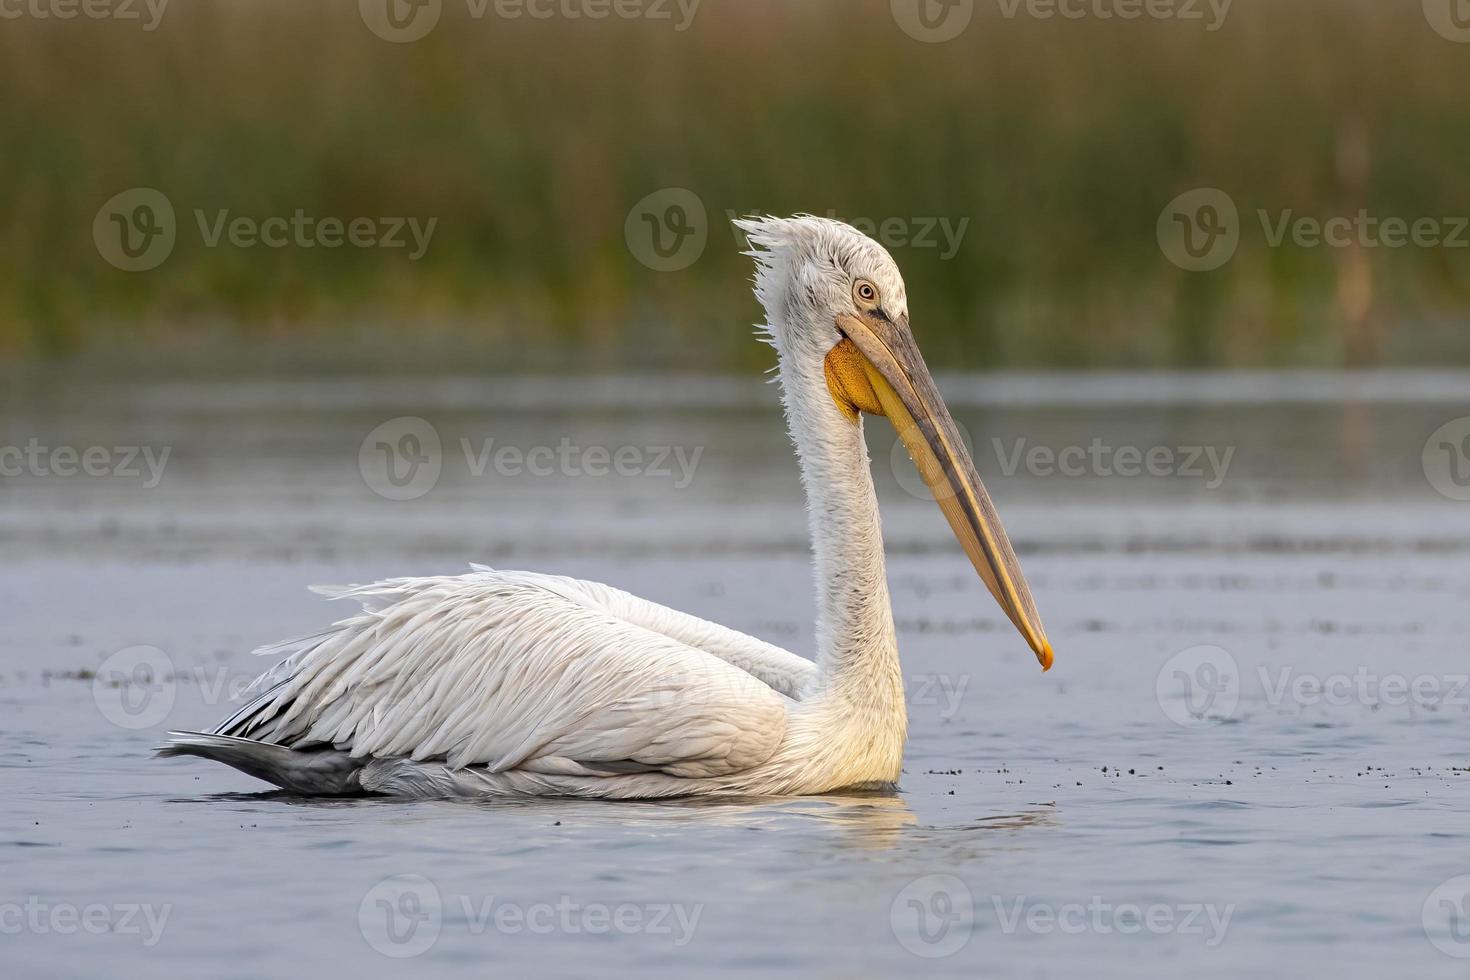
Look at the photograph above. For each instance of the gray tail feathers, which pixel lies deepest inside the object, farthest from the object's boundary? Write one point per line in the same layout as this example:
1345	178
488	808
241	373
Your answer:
323	771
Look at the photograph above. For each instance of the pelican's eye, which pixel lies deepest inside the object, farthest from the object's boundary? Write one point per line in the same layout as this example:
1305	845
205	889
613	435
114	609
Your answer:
865	294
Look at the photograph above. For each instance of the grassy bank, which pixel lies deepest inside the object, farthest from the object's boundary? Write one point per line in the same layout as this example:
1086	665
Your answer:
1047	147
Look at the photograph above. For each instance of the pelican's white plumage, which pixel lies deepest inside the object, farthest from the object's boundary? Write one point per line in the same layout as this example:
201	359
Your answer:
499	683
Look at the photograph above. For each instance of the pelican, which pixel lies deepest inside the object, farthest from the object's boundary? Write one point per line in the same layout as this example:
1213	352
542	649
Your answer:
519	684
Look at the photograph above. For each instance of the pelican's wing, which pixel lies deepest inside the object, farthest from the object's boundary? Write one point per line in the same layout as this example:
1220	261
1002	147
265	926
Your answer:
512	671
783	671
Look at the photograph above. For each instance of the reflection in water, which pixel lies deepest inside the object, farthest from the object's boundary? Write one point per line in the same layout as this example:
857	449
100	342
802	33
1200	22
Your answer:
867	821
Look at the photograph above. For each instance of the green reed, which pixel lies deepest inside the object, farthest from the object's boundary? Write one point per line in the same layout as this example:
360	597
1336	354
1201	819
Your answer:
1057	143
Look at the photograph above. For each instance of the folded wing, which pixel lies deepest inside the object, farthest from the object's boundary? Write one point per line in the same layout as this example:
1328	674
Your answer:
512	670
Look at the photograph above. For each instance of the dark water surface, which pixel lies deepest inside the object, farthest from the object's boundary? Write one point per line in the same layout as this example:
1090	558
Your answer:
1252	757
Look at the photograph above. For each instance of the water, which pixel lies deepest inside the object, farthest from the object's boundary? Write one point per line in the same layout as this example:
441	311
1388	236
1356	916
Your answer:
1081	822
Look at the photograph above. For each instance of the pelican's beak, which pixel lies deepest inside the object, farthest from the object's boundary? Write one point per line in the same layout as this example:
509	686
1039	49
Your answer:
907	395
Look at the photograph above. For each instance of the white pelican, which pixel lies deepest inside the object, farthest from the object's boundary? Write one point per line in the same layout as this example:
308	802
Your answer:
502	683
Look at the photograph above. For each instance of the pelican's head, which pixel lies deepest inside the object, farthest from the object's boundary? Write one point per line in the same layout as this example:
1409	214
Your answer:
834	298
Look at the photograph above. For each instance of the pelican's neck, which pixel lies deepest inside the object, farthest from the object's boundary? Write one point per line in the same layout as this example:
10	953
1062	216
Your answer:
857	653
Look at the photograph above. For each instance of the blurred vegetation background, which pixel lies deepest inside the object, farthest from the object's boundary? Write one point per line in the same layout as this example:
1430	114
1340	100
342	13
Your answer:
1058	141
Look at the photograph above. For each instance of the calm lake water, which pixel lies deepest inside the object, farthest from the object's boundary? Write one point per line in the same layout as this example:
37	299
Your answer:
1252	757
